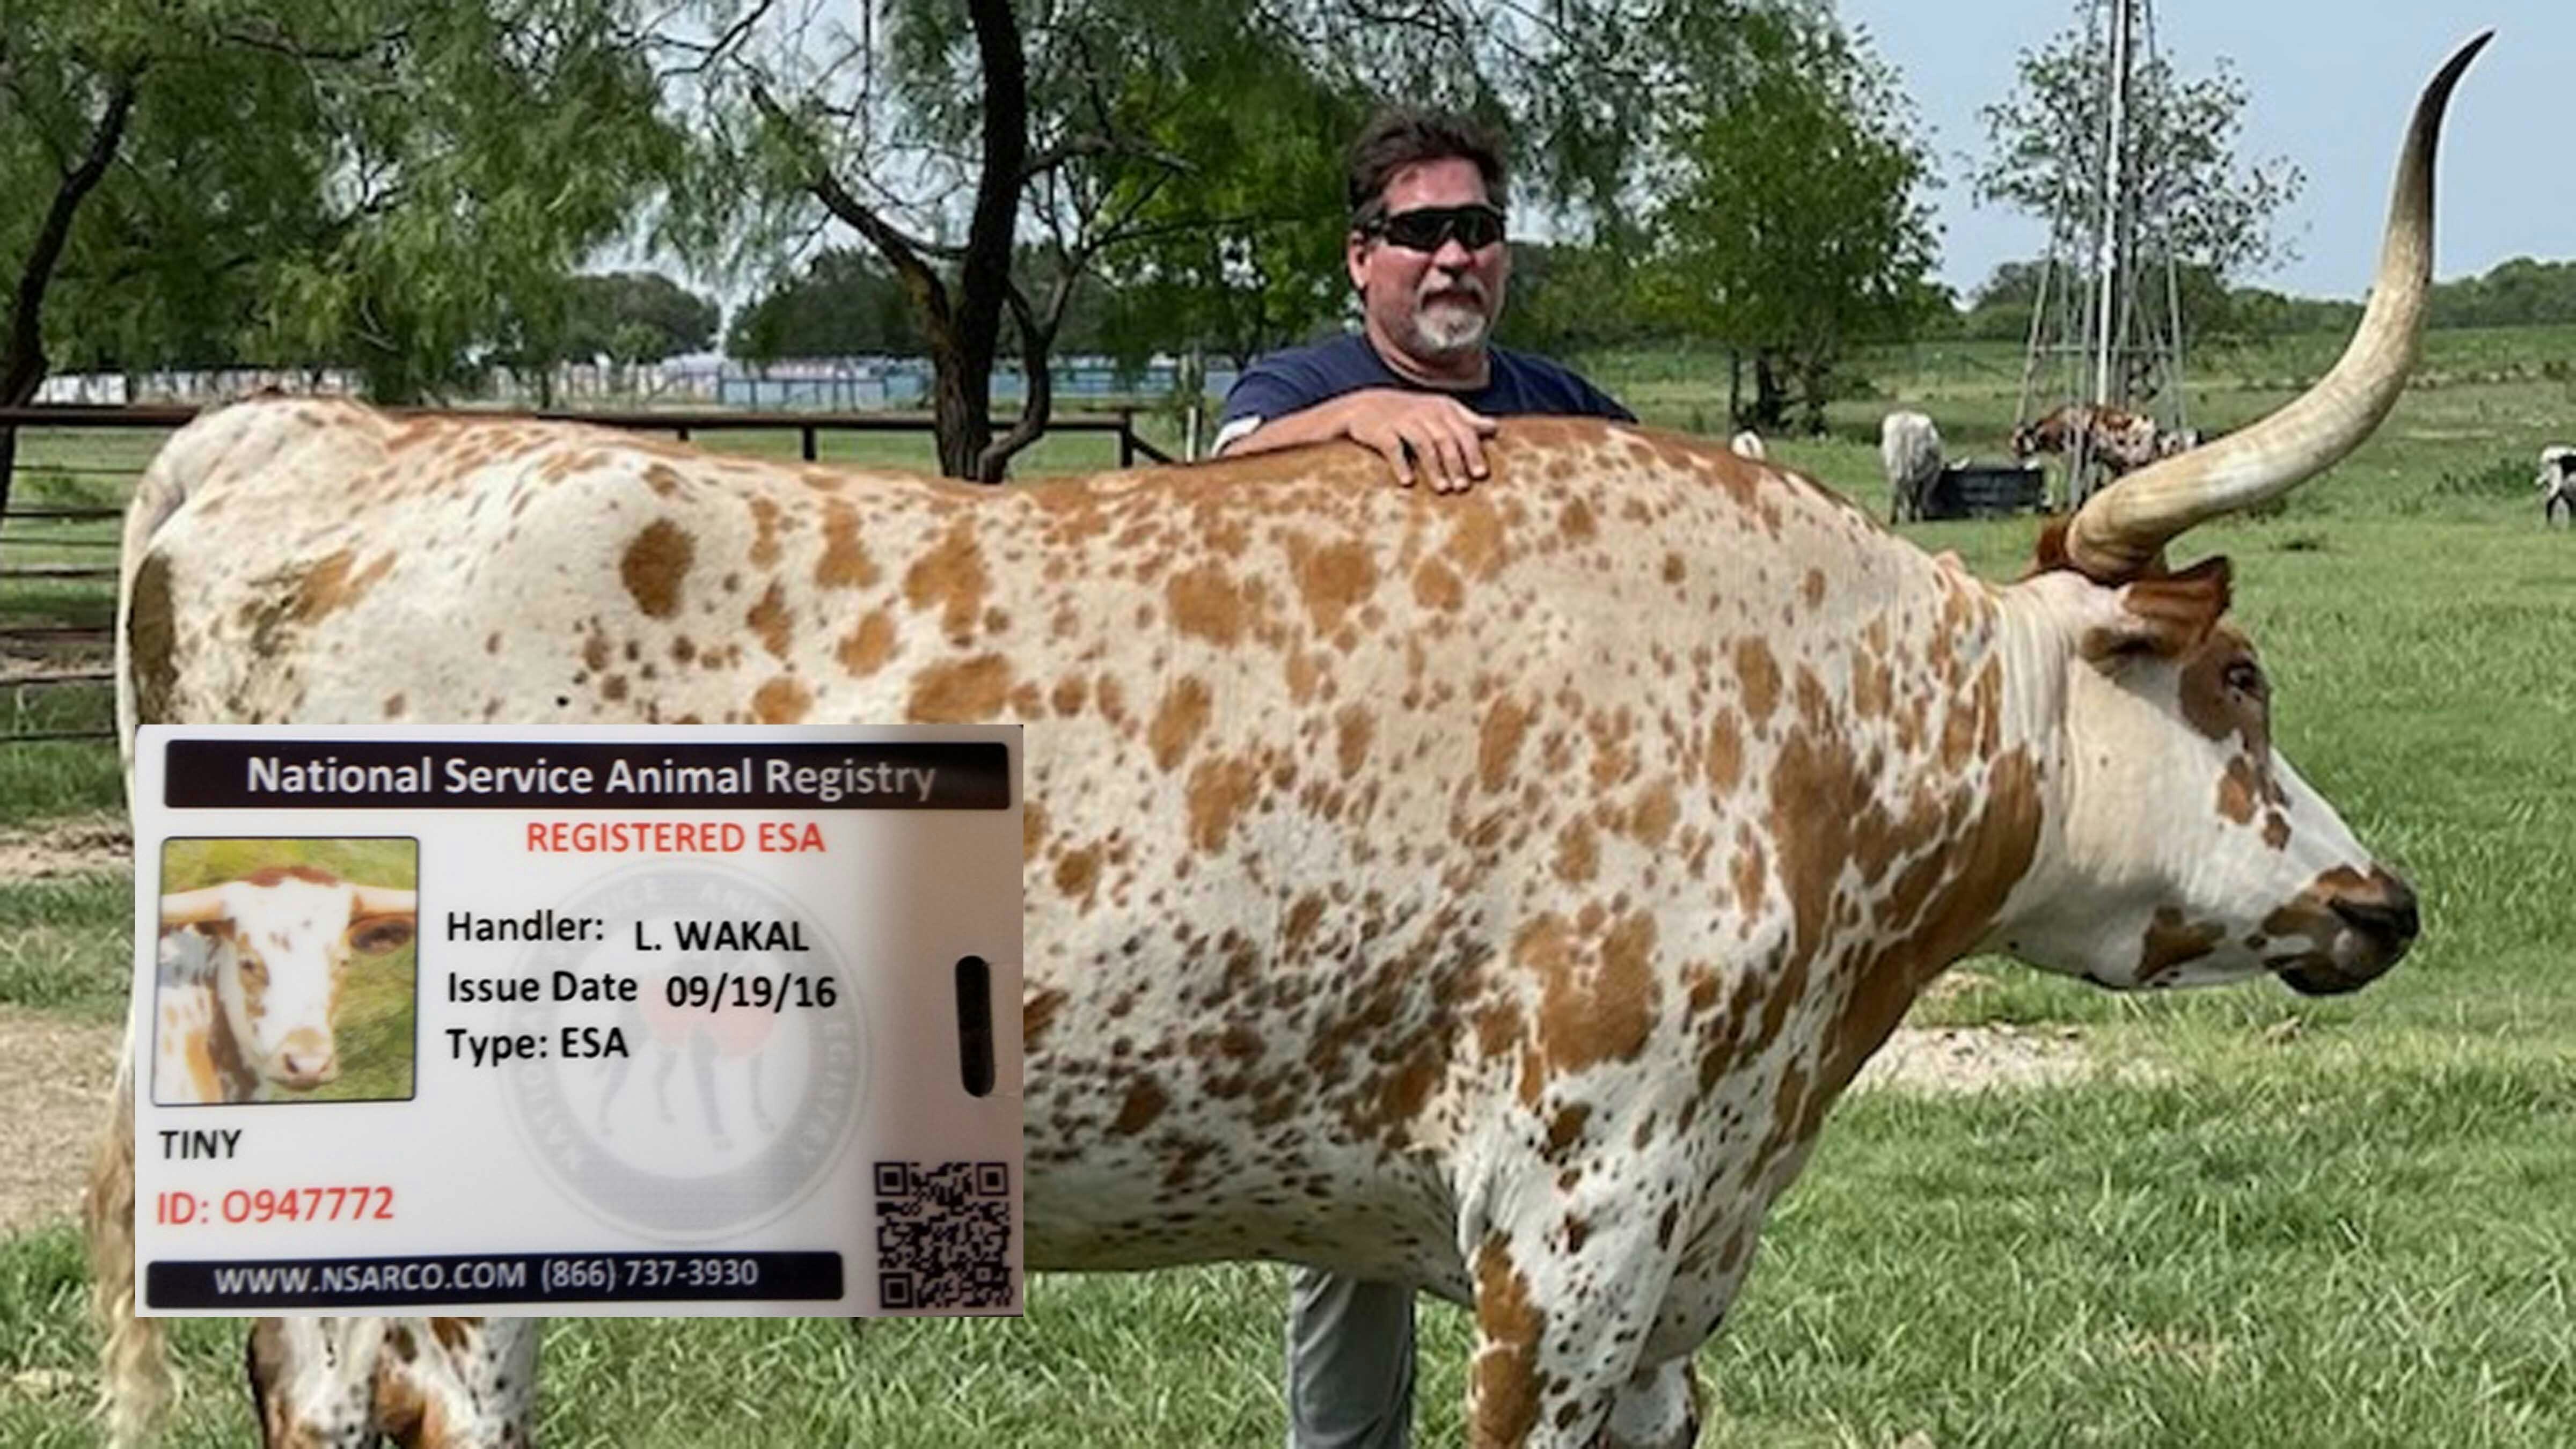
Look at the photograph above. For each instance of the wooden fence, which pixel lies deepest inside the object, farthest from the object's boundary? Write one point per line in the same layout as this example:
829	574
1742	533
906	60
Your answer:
52	656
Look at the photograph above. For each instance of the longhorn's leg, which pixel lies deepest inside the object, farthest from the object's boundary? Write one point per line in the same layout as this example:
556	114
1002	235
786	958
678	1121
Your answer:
1558	1337
312	1381
1658	1408
423	1383
458	1383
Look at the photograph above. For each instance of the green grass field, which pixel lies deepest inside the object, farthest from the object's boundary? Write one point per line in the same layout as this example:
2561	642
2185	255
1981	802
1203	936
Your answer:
2334	1223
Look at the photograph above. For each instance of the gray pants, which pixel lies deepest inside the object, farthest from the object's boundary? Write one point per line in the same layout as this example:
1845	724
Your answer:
1350	1362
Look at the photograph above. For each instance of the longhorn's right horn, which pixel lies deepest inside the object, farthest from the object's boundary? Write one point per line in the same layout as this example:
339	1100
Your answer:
192	908
385	901
2122	529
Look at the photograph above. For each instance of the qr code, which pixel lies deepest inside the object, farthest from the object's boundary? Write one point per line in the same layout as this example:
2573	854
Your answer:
944	1235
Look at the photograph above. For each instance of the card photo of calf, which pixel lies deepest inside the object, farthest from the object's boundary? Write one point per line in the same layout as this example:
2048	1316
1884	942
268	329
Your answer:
286	971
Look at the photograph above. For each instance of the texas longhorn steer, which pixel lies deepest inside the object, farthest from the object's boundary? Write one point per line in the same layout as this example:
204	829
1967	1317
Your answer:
1490	892
249	977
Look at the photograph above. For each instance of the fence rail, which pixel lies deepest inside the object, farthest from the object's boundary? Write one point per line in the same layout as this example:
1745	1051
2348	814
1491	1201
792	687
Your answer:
809	428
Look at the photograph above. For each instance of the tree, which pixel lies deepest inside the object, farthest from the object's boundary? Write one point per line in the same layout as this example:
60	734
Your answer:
2213	210
375	183
1116	130
632	317
846	304
1796	224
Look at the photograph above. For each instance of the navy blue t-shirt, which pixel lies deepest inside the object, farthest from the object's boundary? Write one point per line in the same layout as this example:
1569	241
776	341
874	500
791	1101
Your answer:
1516	383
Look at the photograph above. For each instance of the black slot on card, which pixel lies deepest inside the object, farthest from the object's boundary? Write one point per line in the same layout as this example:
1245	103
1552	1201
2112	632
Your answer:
975	1025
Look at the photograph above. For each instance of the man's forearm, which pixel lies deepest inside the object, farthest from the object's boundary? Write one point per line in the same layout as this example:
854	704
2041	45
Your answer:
1321	423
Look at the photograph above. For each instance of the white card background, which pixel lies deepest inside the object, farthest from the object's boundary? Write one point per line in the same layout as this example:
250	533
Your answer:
801	1090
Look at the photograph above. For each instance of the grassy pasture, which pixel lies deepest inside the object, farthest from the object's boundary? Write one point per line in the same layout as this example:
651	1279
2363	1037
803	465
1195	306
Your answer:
2304	1223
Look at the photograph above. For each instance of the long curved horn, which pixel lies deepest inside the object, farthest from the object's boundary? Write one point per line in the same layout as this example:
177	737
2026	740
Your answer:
2122	528
196	907
384	901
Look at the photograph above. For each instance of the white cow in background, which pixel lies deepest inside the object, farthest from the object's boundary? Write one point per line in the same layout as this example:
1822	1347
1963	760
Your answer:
1909	449
2558	484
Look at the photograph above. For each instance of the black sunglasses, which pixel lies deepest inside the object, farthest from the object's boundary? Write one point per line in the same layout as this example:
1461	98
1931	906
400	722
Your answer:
1426	228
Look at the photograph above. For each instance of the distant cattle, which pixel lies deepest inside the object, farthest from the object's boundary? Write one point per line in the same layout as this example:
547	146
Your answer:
2558	484
2120	440
1909	450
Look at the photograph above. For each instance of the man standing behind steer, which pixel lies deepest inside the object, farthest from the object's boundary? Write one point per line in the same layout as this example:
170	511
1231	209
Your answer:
1421	385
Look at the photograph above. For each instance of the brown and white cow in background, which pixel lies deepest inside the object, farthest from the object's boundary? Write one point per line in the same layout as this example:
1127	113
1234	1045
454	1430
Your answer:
249	979
2558	484
1491	892
2087	435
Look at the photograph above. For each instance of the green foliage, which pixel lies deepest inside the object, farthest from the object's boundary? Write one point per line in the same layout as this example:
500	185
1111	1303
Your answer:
2212	210
1187	155
631	317
845	304
2514	293
366	182
1571	300
1796	225
1241	252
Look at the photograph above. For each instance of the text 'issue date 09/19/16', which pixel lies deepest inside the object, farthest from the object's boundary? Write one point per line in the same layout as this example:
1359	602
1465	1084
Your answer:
720	991
724	991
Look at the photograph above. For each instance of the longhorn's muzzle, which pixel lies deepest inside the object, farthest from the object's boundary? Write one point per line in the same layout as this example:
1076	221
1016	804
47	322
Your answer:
305	1060
2369	927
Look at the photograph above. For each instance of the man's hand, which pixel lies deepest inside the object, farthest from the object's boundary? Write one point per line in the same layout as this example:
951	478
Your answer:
1440	434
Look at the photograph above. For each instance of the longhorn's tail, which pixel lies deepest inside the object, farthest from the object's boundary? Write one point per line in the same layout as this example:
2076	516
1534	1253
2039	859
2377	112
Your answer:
165	486
135	1382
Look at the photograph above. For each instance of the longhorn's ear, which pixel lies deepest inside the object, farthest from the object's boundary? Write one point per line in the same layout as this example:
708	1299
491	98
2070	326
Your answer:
2167	615
379	935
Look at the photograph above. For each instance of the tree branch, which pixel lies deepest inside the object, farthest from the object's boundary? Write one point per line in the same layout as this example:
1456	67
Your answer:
901	252
1037	401
22	358
714	51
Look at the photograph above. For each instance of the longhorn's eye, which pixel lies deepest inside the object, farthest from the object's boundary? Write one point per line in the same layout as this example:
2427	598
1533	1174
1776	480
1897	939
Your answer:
2246	678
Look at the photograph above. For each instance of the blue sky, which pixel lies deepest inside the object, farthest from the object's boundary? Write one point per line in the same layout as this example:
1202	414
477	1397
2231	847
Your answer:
2331	82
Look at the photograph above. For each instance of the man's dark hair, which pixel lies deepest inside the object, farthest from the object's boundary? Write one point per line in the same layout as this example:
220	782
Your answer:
1401	136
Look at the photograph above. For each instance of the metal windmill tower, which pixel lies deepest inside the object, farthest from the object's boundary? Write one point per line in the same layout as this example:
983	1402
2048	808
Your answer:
2106	326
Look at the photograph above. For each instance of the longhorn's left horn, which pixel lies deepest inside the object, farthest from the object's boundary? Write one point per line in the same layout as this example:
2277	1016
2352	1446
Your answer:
385	901
193	908
2122	529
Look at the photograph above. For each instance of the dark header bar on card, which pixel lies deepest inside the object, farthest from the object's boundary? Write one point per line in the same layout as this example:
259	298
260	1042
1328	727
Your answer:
456	775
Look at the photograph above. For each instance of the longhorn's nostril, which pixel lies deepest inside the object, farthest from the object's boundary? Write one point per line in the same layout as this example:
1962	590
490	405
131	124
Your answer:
2393	919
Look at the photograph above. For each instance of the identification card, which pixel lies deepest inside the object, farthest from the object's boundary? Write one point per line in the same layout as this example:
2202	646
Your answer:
585	1021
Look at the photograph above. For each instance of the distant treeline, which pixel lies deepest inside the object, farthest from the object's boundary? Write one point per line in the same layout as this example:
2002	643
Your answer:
2518	293
1582	301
